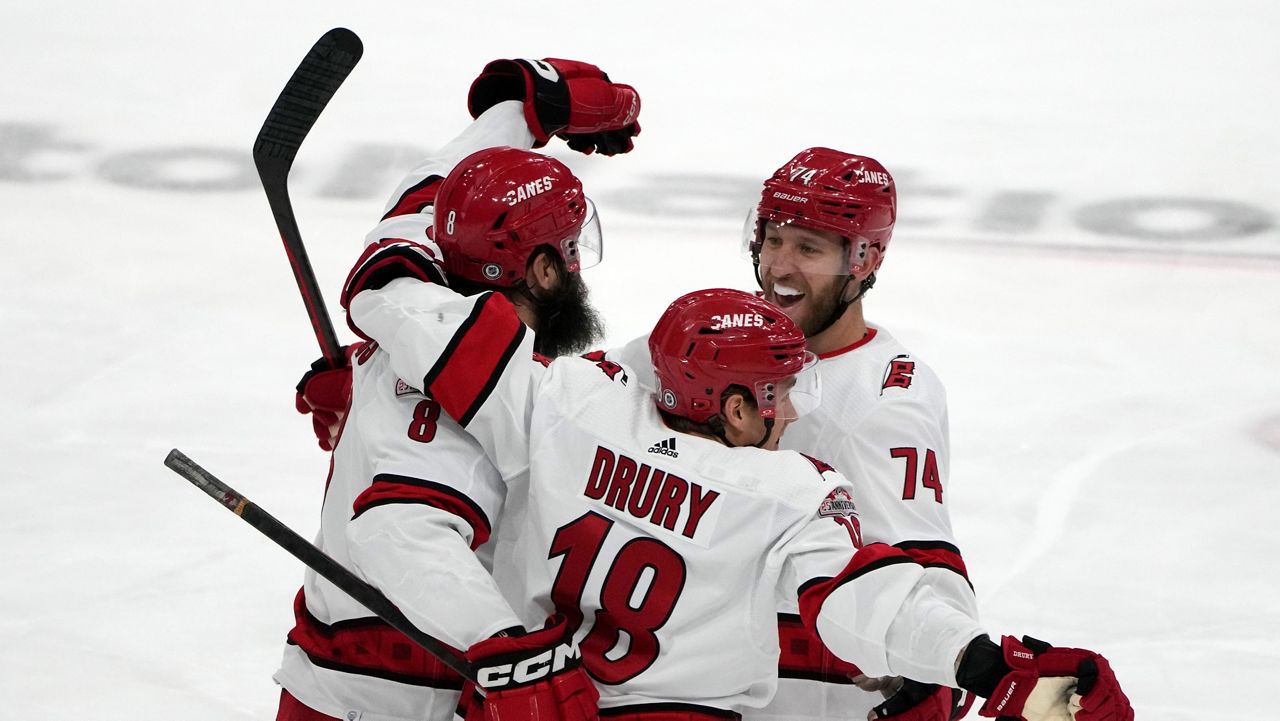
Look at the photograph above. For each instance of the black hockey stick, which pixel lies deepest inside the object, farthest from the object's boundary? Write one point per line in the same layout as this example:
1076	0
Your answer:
304	97
316	559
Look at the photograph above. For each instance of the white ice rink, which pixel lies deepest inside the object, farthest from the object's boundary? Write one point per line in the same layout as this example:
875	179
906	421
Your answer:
1088	254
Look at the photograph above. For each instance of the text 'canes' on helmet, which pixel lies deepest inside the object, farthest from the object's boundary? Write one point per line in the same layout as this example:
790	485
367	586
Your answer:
824	189
709	340
499	205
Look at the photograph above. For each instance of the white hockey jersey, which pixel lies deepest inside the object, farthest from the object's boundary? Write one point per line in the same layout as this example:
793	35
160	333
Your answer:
883	423
670	550
410	501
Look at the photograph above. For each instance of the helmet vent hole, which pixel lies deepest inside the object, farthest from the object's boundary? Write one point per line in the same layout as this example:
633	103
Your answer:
497	223
689	351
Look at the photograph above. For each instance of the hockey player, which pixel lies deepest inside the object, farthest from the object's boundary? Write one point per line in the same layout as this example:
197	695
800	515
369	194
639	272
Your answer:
411	500
662	526
817	238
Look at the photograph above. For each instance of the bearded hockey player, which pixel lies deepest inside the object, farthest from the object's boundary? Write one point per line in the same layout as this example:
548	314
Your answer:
667	564
411	502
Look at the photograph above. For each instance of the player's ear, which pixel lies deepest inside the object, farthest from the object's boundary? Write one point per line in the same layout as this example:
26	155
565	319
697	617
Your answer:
734	408
542	273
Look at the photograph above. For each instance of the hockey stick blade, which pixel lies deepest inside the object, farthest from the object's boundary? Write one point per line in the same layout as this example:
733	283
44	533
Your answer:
316	559
304	97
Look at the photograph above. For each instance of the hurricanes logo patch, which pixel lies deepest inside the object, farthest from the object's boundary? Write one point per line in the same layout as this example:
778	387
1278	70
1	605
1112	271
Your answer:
899	373
404	389
838	504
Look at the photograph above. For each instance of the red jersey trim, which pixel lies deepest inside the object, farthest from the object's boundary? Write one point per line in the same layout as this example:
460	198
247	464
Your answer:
871	557
936	554
470	366
367	647
389	489
416	198
871	333
803	656
671	711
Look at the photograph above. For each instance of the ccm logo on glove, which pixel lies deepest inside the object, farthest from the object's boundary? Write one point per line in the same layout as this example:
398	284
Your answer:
529	670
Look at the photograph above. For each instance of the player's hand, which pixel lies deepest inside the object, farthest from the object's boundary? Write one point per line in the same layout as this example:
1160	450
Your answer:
325	392
535	676
564	98
915	701
1038	682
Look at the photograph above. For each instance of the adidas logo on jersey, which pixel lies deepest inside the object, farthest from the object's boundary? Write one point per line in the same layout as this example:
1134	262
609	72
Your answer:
666	448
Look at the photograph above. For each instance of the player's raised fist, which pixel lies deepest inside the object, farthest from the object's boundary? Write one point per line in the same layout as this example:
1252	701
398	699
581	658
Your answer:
1032	680
564	98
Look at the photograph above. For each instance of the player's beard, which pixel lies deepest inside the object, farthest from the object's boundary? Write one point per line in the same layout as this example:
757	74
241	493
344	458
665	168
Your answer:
567	323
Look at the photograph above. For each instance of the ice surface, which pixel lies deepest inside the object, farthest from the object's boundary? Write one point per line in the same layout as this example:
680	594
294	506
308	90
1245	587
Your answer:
1088	254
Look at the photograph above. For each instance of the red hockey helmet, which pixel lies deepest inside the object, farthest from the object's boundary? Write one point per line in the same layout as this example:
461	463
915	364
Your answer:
500	204
709	340
850	195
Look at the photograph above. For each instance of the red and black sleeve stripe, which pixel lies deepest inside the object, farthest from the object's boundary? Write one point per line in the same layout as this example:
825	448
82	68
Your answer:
367	647
803	656
417	197
471	365
388	489
871	557
936	554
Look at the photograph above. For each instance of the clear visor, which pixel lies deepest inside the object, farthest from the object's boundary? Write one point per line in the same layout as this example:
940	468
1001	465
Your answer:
787	247
793	396
586	247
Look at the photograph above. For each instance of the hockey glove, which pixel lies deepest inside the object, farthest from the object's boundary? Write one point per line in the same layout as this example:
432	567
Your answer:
915	701
563	98
537	676
325	392
1032	680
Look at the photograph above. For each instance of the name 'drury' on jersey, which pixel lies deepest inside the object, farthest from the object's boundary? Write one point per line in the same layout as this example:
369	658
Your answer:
648	493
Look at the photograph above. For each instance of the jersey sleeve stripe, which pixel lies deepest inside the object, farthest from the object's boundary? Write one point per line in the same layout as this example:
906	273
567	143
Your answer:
367	647
936	554
669	711
417	197
391	489
872	557
471	364
803	655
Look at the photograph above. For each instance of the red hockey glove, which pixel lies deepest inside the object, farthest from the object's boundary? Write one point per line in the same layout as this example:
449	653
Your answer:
565	98
1032	680
538	676
325	392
